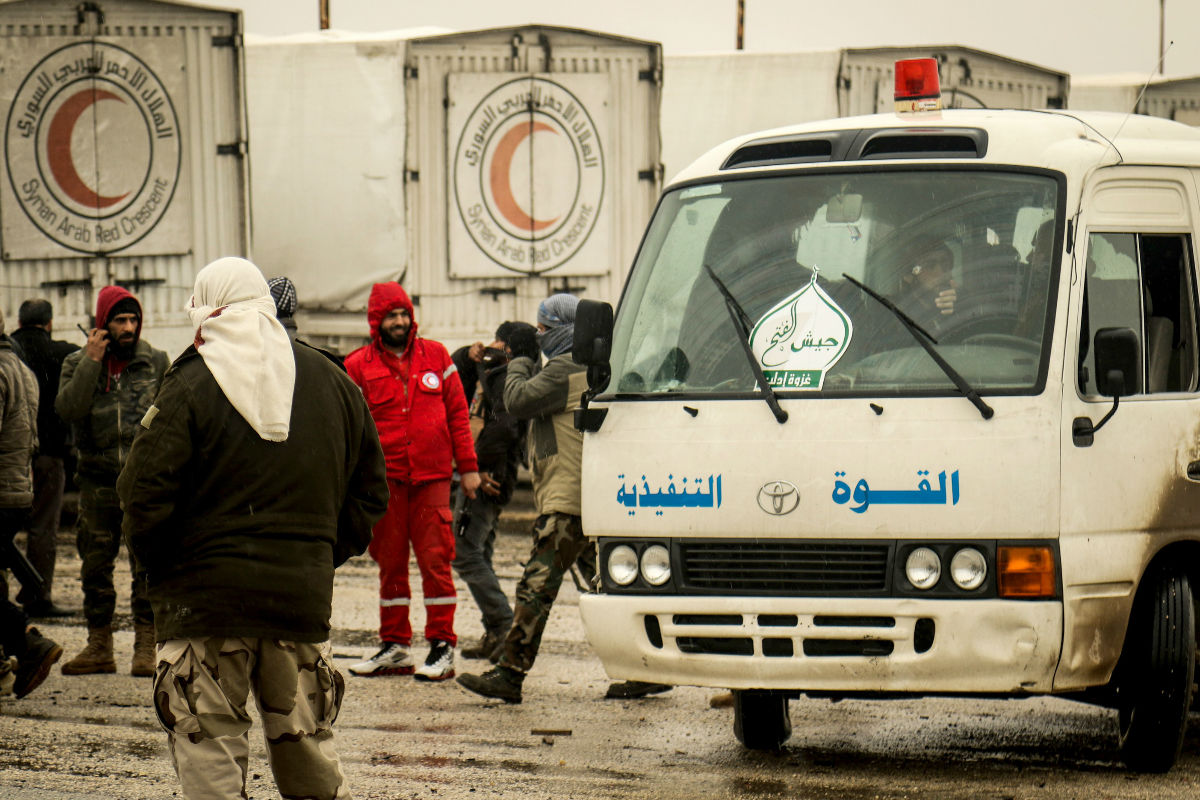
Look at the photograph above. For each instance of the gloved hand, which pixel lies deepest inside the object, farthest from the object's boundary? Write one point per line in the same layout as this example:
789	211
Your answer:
523	342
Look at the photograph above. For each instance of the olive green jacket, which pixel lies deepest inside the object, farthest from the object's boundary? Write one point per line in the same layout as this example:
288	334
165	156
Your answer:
104	412
549	398
18	428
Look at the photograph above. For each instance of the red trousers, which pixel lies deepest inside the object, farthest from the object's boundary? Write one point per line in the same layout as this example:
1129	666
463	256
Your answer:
419	515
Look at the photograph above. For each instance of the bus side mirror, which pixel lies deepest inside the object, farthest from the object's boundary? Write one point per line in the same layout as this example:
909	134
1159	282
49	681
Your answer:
1118	356
1118	366
593	333
591	347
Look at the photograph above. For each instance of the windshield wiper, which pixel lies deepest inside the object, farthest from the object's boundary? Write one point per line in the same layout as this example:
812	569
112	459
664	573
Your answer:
742	322
927	342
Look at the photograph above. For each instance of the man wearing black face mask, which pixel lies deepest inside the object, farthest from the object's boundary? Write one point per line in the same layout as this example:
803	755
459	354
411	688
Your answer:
547	396
105	390
500	448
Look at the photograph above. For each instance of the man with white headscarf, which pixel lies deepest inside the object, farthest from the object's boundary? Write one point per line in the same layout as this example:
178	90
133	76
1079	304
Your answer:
258	472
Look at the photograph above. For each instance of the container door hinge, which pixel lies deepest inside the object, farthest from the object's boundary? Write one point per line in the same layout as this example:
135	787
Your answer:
412	73
233	149
653	174
234	40
651	75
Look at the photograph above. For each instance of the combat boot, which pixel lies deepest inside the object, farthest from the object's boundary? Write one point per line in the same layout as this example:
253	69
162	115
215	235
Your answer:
145	655
502	683
97	656
486	645
34	665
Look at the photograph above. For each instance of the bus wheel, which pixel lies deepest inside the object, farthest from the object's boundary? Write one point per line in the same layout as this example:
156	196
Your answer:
760	719
1154	687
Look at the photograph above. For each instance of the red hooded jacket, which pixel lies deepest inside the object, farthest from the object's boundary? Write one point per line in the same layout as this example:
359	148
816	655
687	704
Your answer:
416	400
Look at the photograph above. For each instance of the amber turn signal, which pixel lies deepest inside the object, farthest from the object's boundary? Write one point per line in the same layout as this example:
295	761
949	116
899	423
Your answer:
1025	572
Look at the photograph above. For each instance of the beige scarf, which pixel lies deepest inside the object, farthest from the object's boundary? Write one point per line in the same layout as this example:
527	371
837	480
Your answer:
244	346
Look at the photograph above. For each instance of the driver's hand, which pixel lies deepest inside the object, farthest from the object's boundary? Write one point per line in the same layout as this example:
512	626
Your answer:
946	299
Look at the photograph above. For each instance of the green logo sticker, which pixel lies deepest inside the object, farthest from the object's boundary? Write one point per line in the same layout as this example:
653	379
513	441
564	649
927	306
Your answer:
798	340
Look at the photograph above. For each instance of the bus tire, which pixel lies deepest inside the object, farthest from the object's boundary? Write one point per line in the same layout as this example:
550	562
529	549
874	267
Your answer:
760	719
1154	690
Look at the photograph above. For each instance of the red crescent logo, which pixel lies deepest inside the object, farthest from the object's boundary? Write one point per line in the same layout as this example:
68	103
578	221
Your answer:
501	182
58	144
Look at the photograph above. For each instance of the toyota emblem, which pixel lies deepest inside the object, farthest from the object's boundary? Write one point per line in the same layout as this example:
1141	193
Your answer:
778	498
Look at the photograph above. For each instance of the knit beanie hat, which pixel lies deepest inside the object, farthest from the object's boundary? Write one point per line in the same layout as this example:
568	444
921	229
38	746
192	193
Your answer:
283	292
126	305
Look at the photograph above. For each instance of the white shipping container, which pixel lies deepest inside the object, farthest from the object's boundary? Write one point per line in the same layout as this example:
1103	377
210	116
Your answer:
711	97
483	170
124	155
1170	98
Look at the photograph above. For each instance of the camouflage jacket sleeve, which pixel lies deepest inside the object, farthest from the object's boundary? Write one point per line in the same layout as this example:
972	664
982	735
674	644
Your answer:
76	386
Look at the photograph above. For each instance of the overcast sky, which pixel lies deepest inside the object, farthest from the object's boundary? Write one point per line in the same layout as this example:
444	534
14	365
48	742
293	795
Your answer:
1082	37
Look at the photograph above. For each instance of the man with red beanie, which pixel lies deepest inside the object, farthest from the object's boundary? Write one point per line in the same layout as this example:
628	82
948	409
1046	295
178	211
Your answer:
104	392
416	399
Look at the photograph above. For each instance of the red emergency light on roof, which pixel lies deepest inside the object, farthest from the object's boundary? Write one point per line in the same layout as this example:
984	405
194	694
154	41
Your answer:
917	85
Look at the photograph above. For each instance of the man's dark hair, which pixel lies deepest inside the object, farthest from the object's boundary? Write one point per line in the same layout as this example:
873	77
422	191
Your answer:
506	330
35	312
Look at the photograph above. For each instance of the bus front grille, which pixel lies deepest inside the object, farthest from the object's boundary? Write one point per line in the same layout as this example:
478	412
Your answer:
784	567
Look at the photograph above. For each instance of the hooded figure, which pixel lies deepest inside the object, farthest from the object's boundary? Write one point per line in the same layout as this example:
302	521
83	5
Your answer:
416	399
244	345
104	390
113	302
547	397
556	318
385	298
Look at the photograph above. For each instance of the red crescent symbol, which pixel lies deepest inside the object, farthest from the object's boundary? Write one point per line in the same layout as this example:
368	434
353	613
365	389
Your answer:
501	183
58	143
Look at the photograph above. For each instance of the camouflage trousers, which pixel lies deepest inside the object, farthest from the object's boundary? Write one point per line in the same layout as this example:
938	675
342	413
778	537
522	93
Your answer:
98	539
200	691
558	541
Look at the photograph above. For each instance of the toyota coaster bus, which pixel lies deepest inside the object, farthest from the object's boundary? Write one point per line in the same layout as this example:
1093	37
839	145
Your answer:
906	405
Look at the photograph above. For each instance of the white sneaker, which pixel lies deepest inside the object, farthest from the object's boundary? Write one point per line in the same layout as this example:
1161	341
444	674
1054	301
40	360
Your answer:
392	659
439	664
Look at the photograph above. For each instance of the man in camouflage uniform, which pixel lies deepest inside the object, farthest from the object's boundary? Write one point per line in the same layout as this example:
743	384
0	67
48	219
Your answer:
548	397
260	470
104	390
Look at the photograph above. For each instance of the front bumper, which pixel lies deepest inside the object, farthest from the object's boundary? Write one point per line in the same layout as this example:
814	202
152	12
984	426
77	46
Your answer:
828	644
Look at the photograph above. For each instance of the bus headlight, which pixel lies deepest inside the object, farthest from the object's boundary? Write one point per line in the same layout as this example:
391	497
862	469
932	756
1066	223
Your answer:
923	568
656	565
622	565
968	568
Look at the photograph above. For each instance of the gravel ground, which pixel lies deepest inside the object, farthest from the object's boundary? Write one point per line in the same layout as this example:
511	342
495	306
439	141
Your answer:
95	736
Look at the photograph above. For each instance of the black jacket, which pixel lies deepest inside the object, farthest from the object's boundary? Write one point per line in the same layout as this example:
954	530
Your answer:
240	536
45	357
500	444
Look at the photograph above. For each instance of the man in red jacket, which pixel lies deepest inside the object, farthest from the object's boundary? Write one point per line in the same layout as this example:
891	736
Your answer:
416	399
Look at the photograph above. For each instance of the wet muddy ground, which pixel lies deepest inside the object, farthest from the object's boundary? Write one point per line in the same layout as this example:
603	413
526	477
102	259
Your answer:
95	736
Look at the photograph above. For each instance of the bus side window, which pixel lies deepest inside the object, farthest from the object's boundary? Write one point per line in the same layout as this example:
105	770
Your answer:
1145	283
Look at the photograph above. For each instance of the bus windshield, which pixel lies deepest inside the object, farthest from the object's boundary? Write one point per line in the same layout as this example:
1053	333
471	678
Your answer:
968	256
